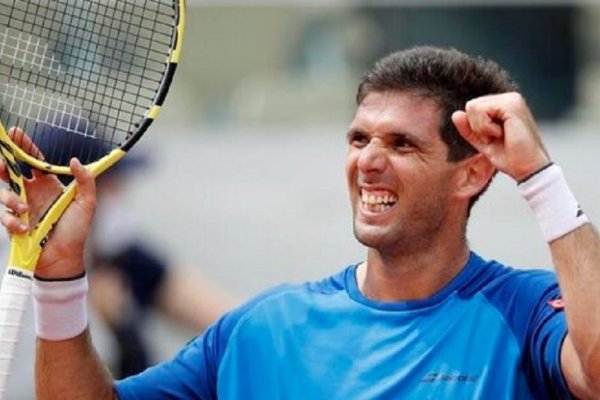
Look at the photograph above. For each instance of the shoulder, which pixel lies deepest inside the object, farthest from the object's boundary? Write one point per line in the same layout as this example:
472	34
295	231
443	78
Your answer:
524	298
292	292
526	285
200	360
495	279
530	303
280	299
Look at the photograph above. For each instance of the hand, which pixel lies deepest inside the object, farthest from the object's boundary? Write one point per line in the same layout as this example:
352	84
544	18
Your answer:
501	127
63	253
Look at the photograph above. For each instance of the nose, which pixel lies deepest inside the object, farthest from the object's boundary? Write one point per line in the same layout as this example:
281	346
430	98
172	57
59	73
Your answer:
372	157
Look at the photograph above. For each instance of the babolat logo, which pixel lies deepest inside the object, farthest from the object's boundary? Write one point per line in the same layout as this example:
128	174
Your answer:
434	377
18	273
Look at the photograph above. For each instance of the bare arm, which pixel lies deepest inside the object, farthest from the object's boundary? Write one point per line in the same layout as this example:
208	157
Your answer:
67	369
71	369
502	127
576	257
193	300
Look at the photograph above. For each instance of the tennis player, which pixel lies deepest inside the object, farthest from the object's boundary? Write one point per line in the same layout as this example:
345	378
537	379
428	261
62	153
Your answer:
424	316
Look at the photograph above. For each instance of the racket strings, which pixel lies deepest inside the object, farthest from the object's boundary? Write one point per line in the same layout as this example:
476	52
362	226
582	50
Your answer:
41	59
79	75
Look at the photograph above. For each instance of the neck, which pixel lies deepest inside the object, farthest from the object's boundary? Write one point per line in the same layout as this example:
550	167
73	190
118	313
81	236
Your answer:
413	276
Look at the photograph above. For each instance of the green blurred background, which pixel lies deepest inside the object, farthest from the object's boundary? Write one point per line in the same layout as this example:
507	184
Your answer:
298	62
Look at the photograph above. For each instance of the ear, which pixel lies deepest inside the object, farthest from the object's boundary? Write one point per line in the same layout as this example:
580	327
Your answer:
473	176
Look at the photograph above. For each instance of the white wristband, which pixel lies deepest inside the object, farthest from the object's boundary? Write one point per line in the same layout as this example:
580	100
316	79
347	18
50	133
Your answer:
552	202
60	308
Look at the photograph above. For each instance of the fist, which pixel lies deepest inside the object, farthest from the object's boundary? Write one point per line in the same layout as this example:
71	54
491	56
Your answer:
501	127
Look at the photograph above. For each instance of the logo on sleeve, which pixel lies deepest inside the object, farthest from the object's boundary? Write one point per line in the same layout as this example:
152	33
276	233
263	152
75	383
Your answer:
557	304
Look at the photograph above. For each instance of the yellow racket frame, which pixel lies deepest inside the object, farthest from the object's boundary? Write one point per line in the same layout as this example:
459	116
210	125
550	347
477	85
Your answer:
26	248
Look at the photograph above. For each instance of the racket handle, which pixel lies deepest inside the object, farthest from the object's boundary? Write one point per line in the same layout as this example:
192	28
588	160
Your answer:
14	296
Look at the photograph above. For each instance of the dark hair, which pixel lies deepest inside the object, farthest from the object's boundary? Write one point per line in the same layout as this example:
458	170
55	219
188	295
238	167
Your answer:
448	76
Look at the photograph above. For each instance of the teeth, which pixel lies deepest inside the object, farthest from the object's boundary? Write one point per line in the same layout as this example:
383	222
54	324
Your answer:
382	200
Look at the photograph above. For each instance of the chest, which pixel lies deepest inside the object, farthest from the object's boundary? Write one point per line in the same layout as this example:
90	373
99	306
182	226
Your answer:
459	350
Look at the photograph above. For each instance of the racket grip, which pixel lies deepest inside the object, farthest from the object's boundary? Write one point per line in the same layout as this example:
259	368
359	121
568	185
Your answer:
14	296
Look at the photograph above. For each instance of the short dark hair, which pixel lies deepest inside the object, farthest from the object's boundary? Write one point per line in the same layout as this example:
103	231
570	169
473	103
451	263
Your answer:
449	77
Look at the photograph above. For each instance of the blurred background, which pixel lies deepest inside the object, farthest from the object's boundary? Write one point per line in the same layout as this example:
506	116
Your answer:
242	180
245	181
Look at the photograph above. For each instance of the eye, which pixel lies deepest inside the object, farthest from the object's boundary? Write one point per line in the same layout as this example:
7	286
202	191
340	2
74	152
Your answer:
357	139
402	143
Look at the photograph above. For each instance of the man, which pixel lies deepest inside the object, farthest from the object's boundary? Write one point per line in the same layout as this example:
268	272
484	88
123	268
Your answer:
423	316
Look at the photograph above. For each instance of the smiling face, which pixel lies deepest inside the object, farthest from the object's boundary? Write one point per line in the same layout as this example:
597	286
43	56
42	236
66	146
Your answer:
399	179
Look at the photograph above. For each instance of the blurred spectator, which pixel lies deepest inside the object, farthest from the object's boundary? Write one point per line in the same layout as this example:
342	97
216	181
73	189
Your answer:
131	276
128	276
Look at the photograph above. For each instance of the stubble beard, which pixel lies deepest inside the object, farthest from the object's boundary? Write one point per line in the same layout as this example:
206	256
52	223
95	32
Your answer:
416	235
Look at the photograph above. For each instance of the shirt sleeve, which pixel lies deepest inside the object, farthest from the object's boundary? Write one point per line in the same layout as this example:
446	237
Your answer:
531	303
545	337
190	375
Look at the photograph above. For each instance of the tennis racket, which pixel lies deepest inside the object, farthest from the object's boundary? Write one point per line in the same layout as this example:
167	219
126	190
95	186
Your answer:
82	78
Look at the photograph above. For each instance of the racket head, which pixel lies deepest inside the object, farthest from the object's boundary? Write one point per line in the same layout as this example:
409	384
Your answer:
84	78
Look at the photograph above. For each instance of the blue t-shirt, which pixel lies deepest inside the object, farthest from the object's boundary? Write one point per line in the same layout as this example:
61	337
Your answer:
491	333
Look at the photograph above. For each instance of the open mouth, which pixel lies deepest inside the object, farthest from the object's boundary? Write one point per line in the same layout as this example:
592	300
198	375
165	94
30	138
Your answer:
377	201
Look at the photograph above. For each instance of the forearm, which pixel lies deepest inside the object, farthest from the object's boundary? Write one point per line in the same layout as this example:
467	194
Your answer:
71	369
576	257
